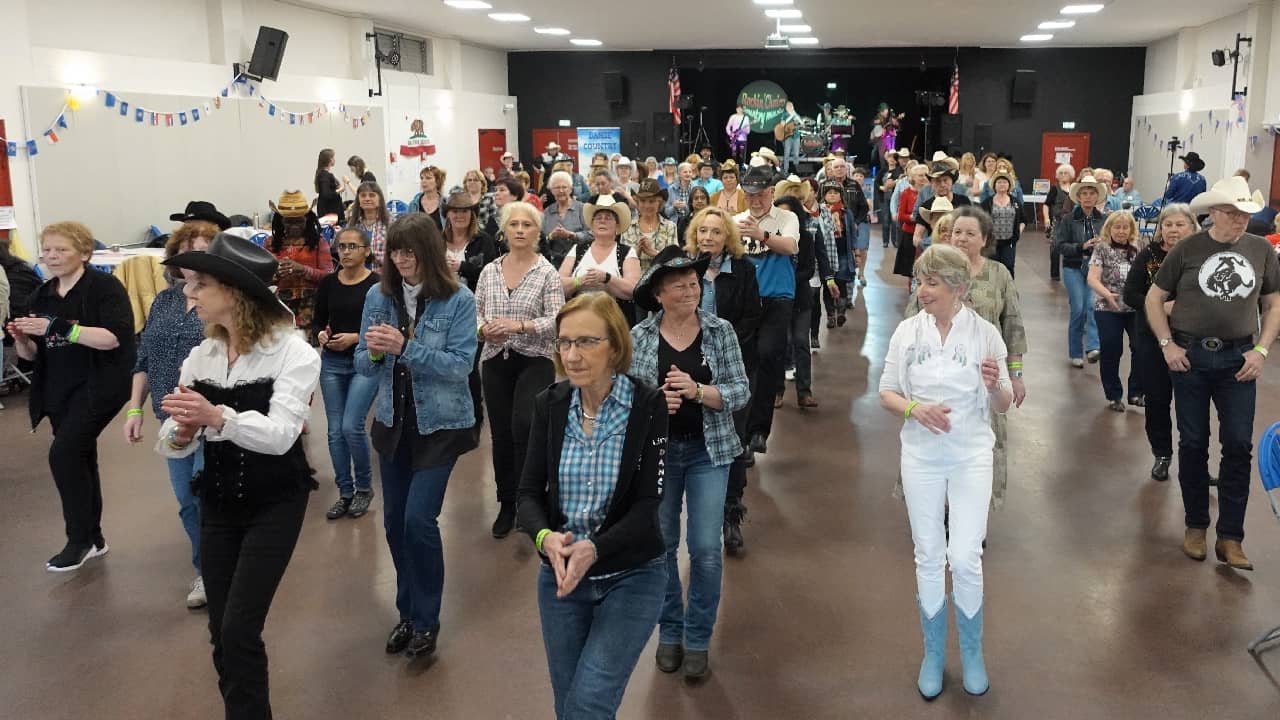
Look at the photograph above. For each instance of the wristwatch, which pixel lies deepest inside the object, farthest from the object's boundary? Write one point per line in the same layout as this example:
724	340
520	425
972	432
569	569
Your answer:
766	235
1165	341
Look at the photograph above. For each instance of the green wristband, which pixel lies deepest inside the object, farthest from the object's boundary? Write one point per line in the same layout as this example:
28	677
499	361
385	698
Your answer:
376	357
1264	352
133	412
537	541
910	406
74	335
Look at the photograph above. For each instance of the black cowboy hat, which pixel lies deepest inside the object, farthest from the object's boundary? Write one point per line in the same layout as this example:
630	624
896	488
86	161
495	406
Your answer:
650	187
1193	161
942	168
201	210
756	179
671	258
237	262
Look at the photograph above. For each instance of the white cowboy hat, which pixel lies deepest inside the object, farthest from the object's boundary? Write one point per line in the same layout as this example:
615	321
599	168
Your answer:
619	208
939	156
1233	191
941	206
767	154
1089	181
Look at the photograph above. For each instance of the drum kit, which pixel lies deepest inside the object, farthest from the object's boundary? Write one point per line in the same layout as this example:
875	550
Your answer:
830	132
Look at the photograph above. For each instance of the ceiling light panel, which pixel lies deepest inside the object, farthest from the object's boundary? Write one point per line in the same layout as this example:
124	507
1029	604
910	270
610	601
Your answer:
1082	9
1056	25
551	31
783	13
796	29
1037	37
468	4
586	42
804	41
510	17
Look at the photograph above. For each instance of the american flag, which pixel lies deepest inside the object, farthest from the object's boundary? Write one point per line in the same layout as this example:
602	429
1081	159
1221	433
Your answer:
673	94
953	104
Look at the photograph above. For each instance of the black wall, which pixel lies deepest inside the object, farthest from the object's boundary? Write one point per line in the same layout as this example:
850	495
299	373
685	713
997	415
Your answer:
1093	87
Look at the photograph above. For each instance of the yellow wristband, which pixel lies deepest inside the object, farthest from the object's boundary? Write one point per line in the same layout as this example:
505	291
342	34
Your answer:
74	335
133	412
1257	348
537	541
376	357
906	414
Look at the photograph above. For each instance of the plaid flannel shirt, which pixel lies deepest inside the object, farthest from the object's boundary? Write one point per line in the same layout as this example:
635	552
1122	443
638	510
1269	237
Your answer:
728	375
537	298
589	465
664	237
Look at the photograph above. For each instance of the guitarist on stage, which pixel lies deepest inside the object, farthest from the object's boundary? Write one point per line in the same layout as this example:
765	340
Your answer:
788	131
738	128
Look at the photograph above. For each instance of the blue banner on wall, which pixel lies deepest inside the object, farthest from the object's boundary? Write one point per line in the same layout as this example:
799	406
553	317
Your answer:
607	140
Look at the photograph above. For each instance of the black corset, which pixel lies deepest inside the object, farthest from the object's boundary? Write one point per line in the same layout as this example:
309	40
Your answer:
235	476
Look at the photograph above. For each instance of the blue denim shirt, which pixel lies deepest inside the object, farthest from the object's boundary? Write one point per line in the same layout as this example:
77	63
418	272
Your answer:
439	357
728	375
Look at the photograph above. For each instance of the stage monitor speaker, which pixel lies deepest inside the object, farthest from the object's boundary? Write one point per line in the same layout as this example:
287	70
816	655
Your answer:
614	88
982	139
268	53
1024	87
636	133
808	168
952	127
663	126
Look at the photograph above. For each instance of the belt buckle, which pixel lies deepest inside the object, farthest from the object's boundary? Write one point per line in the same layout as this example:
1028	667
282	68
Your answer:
1212	344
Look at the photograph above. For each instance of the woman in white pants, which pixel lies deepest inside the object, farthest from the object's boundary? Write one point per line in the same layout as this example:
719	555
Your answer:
944	373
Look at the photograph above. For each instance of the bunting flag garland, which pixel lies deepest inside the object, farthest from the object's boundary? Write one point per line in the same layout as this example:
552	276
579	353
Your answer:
11	148
32	148
51	136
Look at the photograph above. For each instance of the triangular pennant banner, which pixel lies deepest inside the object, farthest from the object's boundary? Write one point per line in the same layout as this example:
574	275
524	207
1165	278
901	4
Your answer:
32	148
109	99
11	148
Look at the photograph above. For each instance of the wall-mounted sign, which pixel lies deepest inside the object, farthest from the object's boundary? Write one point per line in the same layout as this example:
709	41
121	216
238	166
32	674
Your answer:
765	102
607	140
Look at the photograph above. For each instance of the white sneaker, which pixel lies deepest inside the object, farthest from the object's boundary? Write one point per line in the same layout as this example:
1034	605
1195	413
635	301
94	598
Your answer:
791	375
196	598
1077	363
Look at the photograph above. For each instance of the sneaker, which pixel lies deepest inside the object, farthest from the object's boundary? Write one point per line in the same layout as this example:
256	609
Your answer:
360	503
1077	362
338	508
1092	356
790	375
196	598
862	280
73	556
1116	405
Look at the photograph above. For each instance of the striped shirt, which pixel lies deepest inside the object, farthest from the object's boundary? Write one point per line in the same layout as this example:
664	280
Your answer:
589	466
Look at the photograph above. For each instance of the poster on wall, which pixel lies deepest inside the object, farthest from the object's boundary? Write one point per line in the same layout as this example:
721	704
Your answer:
765	102
607	140
418	145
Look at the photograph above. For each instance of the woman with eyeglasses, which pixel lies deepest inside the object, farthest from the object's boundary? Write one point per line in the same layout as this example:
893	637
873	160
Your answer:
418	339
347	394
589	499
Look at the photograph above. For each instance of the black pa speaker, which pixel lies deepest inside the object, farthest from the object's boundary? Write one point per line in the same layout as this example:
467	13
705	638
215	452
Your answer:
1024	87
636	133
663	125
952	128
268	53
614	90
982	138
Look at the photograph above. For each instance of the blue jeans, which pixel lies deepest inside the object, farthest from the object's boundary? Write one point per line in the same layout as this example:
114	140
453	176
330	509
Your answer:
181	470
1082	321
411	501
594	636
347	399
1212	378
1112	327
791	154
690	473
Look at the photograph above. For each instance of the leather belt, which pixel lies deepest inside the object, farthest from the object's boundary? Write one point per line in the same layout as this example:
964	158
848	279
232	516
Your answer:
1212	344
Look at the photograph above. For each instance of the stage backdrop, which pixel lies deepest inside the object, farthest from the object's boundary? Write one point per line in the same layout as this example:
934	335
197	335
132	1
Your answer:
121	177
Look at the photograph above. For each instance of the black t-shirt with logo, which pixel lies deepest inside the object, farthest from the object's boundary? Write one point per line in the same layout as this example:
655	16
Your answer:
688	419
1218	284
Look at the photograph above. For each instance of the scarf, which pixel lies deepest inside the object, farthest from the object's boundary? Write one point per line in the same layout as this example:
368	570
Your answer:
837	218
411	293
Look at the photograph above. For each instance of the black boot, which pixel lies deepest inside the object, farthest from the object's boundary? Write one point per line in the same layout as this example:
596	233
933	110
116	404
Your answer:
1160	470
506	521
734	512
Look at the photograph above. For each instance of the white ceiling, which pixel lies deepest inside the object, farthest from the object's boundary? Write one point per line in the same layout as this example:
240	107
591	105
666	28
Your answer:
730	24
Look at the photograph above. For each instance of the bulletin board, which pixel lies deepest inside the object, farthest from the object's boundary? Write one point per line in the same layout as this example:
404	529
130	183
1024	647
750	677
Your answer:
120	177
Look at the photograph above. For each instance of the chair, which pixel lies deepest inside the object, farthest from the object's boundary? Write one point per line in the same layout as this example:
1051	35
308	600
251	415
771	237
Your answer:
397	207
1146	216
260	239
1269	469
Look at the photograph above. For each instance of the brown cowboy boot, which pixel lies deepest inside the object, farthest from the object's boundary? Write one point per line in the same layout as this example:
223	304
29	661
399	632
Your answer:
1232	553
1194	544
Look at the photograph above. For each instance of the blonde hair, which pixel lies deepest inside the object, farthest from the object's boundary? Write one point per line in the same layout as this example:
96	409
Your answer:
484	184
948	263
1115	218
941	227
81	237
254	320
603	306
519	206
733	237
968	164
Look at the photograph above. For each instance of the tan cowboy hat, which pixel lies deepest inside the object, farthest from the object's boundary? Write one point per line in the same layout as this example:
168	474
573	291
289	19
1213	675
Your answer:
292	203
792	185
1233	191
941	206
1001	174
1088	181
728	167
939	156
767	154
610	203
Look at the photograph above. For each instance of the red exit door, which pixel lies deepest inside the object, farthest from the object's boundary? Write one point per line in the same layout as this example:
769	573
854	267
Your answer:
492	144
1063	148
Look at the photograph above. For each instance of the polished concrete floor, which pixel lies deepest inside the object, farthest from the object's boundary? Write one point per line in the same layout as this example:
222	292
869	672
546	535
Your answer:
1092	611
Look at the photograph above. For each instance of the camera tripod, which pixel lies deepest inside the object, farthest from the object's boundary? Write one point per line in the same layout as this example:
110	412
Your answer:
692	141
1173	146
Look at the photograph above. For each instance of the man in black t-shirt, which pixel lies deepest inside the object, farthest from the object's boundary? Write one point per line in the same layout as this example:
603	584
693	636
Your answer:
1221	276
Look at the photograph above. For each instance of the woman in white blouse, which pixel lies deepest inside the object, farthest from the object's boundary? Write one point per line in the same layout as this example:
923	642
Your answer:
944	372
517	299
605	264
245	390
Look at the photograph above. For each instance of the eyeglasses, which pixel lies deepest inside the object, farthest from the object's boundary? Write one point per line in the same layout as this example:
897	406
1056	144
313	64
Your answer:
584	343
350	247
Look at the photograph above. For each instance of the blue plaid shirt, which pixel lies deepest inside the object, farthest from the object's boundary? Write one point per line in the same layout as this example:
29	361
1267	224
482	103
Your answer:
728	375
589	465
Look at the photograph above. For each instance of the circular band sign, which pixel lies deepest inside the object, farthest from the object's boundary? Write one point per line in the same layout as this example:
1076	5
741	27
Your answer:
765	102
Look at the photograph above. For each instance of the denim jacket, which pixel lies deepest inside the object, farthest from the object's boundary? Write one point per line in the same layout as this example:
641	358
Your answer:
439	357
728	375
1072	232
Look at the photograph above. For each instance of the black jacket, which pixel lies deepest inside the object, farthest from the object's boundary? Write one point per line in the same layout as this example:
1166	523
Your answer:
1072	232
1017	217
630	535
104	304
481	251
738	303
1142	273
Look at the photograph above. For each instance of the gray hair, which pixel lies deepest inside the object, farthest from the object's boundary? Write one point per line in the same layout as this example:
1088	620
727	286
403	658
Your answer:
948	263
561	175
1067	167
519	206
682	166
1175	209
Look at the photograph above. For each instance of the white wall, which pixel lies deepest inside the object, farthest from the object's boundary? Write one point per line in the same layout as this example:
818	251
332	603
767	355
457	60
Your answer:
186	47
1162	66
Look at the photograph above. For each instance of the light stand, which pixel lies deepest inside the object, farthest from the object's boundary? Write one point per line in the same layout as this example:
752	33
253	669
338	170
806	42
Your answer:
1174	145
1235	65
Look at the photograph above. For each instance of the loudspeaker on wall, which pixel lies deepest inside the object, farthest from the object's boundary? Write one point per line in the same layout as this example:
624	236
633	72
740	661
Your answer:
614	88
1024	87
952	128
268	53
663	123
